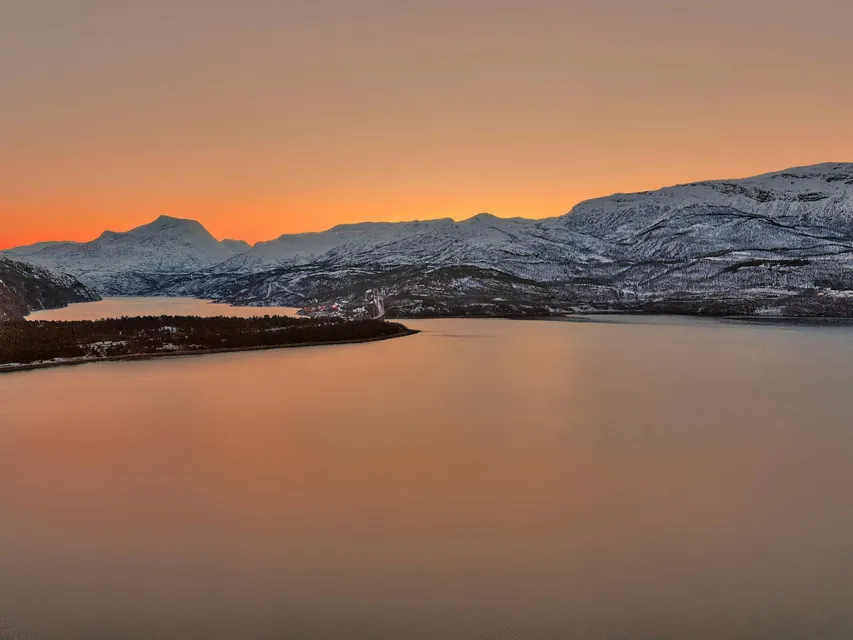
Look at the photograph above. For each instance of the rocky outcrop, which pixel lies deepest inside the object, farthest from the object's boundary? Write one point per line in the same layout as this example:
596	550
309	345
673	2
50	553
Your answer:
25	287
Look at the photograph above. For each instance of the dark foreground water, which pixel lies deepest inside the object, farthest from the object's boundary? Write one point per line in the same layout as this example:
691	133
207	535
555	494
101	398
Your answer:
485	479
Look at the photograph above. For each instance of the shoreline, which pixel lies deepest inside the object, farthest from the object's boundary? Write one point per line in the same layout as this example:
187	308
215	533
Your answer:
601	316
561	315
201	352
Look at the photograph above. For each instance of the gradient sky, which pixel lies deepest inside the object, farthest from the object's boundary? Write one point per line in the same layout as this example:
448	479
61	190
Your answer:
260	117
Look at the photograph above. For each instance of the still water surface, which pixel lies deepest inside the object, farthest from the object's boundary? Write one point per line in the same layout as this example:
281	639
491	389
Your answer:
136	306
484	479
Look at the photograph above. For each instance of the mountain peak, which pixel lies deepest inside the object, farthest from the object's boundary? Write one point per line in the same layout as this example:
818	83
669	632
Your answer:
160	225
170	222
173	227
480	218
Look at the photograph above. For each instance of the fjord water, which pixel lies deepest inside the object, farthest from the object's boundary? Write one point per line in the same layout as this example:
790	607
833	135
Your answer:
142	306
496	479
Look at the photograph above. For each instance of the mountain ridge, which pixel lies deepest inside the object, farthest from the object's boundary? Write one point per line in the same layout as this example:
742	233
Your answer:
756	241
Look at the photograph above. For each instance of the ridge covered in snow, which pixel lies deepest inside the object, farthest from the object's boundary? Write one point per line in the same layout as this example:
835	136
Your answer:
237	245
165	246
26	287
773	236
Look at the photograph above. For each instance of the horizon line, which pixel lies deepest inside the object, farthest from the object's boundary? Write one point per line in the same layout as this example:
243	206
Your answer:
455	220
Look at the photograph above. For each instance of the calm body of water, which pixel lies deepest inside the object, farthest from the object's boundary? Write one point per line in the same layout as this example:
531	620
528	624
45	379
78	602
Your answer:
484	479
133	306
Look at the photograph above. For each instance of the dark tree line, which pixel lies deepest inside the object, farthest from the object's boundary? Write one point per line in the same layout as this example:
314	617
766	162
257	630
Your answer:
26	342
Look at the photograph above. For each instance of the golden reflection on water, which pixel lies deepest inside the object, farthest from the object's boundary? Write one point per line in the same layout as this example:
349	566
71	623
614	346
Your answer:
483	479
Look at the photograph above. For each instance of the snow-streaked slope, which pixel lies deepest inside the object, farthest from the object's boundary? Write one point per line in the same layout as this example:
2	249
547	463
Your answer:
817	197
350	239
787	210
240	246
779	234
36	249
516	244
800	208
773	235
26	287
166	246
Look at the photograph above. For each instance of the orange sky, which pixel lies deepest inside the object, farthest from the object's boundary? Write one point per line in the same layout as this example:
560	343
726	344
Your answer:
264	117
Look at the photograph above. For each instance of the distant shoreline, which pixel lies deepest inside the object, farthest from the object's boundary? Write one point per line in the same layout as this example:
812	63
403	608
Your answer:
793	321
185	353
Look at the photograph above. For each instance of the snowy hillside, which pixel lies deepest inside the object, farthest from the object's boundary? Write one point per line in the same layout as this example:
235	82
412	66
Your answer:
751	245
237	245
25	287
784	231
118	261
521	247
817	196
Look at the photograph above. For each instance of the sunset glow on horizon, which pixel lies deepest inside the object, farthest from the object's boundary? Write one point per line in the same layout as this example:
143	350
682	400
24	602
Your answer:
265	117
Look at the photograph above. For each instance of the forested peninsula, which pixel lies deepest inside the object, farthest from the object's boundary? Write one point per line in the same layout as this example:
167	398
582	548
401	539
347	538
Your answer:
31	345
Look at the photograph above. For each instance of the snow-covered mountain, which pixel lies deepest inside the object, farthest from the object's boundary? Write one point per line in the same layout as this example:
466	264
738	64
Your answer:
758	244
122	262
483	240
26	287
773	235
237	245
762	244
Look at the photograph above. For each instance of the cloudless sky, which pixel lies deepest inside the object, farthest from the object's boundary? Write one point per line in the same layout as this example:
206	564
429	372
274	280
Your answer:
261	117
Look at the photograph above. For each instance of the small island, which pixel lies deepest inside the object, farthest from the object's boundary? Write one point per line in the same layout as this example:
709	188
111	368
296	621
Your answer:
40	344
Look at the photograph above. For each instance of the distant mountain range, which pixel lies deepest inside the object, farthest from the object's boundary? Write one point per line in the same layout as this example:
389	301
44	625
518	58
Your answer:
779	243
